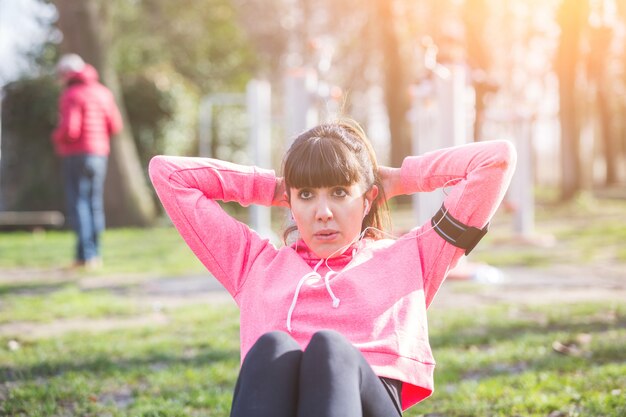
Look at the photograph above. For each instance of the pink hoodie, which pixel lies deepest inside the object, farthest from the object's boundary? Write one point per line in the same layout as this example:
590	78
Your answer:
384	286
88	116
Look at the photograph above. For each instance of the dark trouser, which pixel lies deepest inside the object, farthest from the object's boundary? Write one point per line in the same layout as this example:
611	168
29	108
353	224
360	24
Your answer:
329	379
84	187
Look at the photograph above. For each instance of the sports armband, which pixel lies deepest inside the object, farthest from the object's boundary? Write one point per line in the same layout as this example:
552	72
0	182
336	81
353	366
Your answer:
455	232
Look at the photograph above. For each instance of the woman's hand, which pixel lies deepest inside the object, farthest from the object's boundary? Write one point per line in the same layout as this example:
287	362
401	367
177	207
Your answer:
391	181
280	193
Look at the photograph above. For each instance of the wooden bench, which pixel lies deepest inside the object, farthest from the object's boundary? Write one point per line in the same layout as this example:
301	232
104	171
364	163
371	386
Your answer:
28	219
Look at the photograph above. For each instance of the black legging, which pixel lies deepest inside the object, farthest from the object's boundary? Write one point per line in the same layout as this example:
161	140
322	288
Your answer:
330	378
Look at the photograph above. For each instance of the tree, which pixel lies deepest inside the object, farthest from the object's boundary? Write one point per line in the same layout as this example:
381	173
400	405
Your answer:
570	17
395	79
475	15
367	50
579	22
599	56
86	28
29	114
198	39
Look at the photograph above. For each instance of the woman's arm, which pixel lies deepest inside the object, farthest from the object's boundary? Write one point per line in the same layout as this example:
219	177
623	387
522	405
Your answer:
189	188
478	174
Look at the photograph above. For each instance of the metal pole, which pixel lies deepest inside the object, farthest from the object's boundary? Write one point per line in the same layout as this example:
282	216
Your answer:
522	182
258	104
205	128
439	121
300	95
205	115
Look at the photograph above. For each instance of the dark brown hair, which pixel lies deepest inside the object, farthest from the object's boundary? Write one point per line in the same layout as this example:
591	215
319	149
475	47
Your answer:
336	153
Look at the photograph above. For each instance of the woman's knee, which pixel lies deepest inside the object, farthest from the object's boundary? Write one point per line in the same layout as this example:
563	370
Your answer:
268	377
329	344
272	345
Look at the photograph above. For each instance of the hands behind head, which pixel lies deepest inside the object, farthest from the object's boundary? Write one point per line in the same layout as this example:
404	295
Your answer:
391	181
280	193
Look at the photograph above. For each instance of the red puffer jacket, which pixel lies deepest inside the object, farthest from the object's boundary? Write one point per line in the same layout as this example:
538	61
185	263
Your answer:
88	116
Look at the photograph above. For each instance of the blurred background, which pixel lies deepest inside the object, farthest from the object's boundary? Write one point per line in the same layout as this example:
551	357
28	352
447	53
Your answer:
548	75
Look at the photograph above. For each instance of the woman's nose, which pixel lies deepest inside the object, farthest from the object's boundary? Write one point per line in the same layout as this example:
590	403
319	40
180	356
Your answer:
323	211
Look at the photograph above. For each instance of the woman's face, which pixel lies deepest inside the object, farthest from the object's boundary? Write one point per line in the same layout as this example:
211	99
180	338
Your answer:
329	218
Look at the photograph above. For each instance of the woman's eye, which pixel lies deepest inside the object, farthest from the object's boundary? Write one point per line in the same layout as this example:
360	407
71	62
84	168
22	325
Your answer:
305	194
340	192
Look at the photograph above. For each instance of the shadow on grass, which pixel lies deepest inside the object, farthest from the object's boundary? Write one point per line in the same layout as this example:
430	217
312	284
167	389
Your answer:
550	362
476	335
489	345
33	288
104	366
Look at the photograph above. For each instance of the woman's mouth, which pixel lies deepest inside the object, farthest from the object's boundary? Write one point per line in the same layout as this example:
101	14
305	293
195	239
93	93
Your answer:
326	234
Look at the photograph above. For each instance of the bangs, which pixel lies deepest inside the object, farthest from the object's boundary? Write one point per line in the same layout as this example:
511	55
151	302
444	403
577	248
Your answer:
322	162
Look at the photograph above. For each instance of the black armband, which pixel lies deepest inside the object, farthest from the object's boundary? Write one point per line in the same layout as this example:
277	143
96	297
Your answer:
455	232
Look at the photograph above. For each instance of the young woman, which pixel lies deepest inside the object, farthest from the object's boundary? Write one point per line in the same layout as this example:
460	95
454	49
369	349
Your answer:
334	324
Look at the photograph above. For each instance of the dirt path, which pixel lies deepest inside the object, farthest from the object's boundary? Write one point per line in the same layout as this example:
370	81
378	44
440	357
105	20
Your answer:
527	286
516	286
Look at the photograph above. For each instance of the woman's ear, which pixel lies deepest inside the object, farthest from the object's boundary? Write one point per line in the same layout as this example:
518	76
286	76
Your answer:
286	198
371	194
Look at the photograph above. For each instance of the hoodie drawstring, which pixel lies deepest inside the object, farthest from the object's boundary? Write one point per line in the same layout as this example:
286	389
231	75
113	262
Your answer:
306	277
330	292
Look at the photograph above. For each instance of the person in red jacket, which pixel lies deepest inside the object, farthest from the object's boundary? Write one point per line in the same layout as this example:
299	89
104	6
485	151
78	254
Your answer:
88	117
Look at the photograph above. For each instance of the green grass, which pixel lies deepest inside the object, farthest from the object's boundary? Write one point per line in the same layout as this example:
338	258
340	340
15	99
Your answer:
587	230
157	251
66	302
499	362
492	361
186	367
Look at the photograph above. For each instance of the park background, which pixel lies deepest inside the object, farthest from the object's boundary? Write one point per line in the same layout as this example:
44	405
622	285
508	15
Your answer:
532	324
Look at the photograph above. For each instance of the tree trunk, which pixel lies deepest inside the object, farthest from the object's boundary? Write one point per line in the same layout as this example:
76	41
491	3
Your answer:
600	40
570	144
396	85
570	18
475	15
606	131
85	25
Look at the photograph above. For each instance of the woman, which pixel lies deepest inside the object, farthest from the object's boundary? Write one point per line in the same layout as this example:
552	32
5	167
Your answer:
335	323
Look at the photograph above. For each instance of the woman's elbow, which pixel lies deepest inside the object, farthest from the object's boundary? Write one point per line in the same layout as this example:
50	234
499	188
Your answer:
156	166
505	153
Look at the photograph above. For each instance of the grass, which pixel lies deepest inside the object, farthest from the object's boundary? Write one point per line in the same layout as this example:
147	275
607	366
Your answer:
186	367
500	362
157	251
587	230
493	361
66	302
